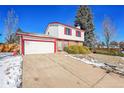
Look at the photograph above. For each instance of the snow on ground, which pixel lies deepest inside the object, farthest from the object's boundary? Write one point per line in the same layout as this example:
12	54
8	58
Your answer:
91	61
122	58
116	68
10	70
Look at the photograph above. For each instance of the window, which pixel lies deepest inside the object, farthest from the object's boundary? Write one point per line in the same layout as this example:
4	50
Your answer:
78	33
68	31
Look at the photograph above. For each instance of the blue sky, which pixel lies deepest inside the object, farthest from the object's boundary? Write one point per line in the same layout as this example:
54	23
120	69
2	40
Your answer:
34	19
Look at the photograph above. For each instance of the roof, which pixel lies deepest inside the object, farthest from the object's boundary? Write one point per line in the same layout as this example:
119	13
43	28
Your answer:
66	25
33	35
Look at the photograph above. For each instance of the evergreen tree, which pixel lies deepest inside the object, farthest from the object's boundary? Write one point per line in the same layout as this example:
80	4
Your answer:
19	30
84	19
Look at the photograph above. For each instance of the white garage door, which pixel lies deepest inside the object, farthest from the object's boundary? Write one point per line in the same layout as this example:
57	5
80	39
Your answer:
36	47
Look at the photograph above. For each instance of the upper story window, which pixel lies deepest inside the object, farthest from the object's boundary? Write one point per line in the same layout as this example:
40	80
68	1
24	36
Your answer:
67	31
78	33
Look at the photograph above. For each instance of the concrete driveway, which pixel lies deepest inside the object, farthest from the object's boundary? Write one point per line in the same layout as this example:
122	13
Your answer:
58	70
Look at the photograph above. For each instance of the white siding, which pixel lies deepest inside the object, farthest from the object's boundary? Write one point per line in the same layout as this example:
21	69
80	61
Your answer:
57	30
70	37
52	30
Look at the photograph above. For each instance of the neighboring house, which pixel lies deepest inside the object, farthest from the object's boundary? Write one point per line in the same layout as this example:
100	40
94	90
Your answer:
114	46
56	37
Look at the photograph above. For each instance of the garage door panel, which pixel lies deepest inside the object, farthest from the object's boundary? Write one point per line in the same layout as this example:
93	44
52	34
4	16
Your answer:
36	47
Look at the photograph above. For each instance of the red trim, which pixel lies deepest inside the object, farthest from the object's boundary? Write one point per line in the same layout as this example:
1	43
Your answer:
22	43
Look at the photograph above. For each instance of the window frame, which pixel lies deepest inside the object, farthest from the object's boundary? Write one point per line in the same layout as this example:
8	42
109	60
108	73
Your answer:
67	33
77	33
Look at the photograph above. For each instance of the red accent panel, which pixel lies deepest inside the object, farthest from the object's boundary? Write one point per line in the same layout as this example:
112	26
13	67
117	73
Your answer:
64	30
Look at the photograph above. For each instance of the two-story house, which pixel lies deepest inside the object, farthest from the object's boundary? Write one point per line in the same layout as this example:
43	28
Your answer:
56	37
66	35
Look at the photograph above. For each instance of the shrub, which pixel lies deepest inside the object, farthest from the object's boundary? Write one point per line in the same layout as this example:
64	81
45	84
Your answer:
121	54
74	49
111	51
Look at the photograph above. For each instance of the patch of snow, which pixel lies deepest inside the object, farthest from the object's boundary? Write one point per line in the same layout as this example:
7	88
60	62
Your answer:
10	71
122	58
5	54
91	61
108	67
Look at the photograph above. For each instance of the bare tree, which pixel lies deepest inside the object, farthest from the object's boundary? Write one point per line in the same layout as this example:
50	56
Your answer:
10	26
109	30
